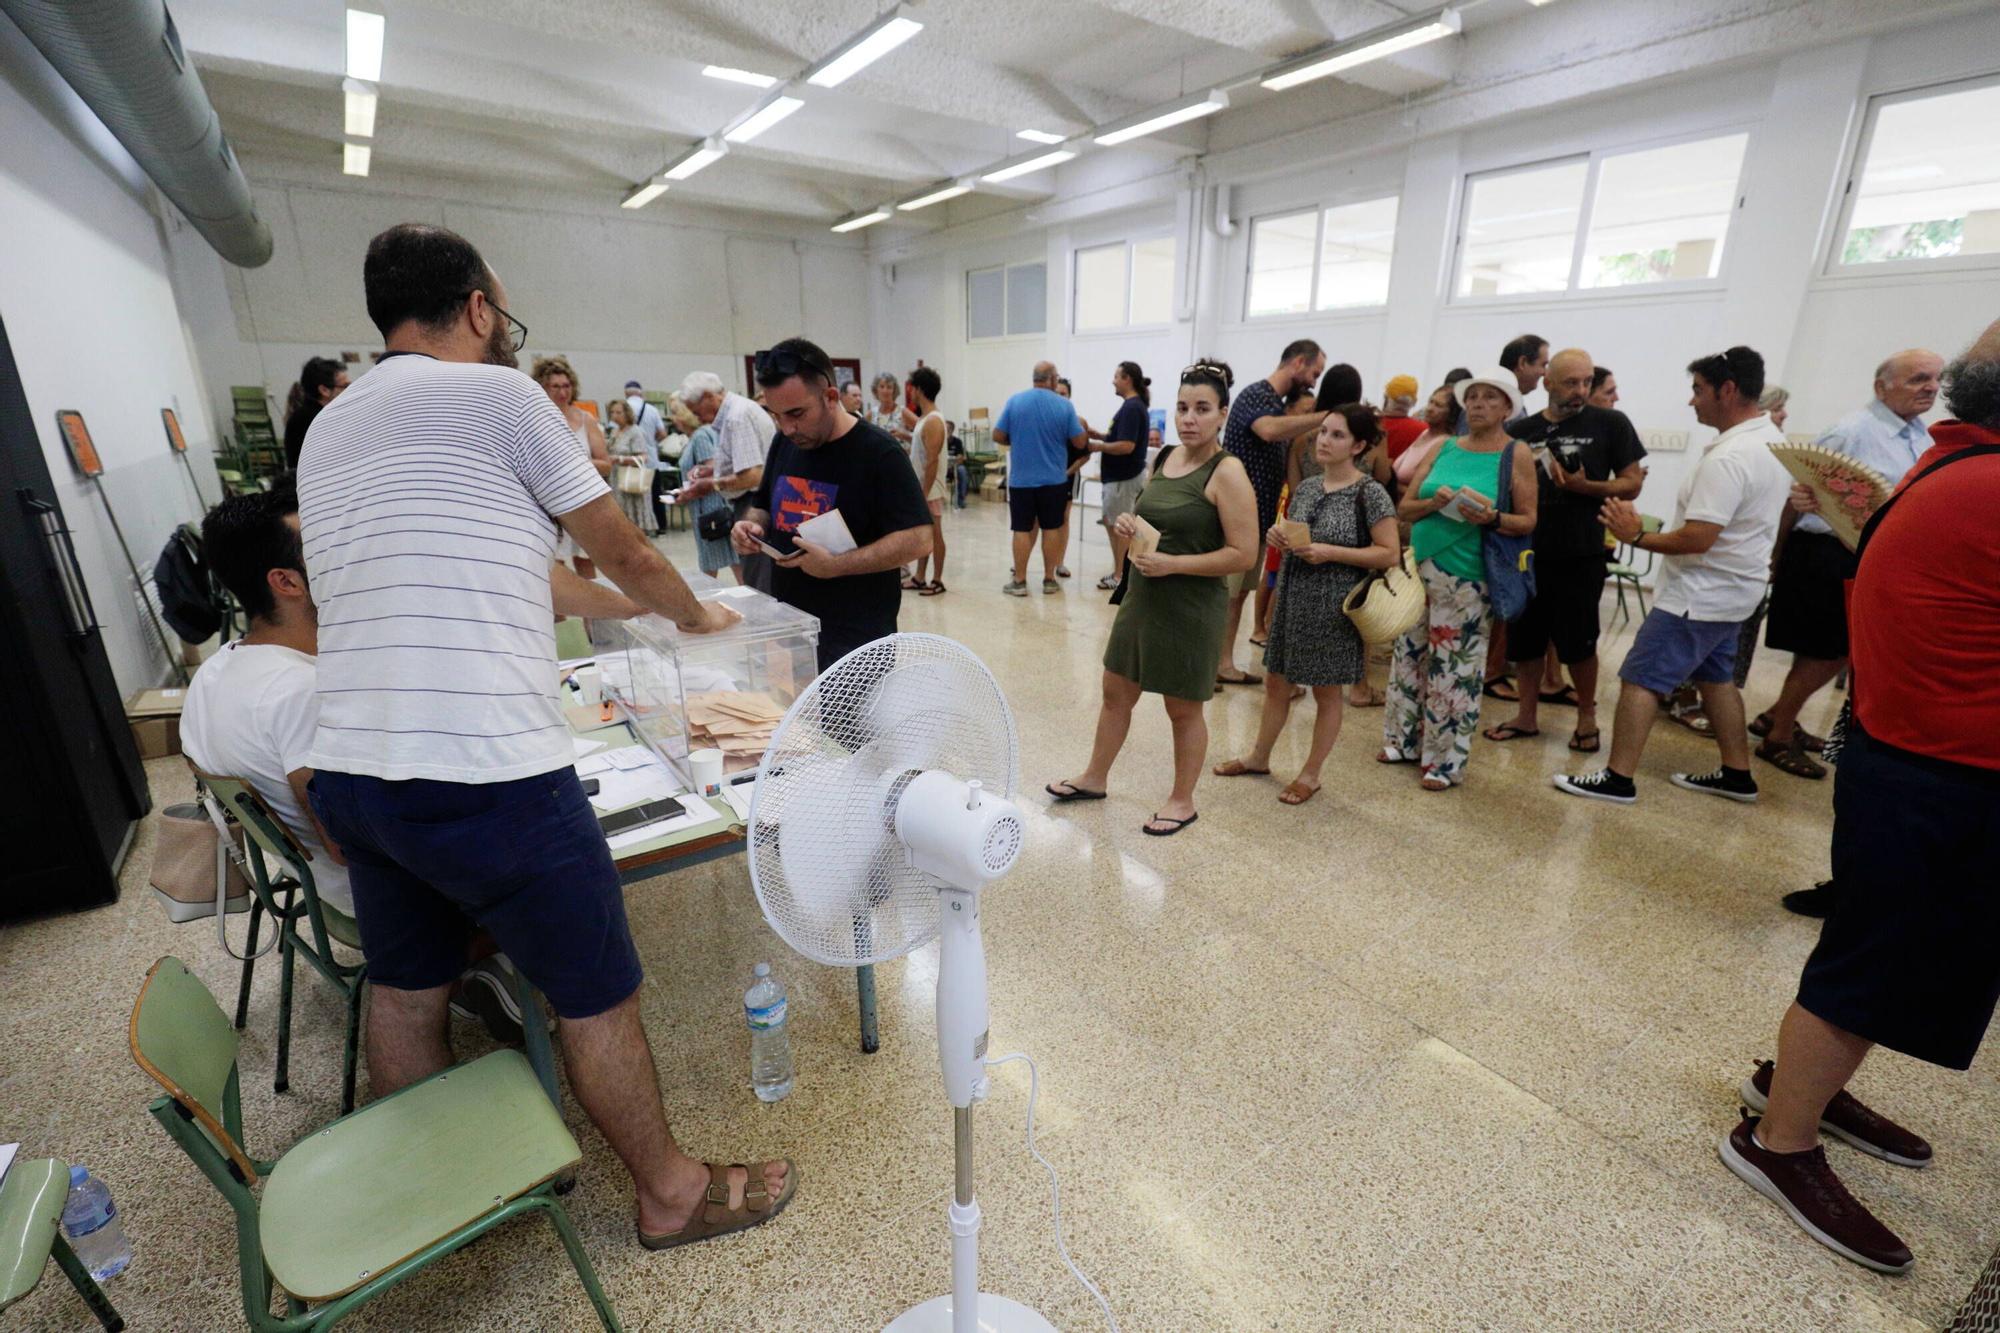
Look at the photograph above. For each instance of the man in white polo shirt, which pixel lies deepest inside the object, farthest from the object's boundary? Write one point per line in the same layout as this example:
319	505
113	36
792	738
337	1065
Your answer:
1718	554
429	507
743	435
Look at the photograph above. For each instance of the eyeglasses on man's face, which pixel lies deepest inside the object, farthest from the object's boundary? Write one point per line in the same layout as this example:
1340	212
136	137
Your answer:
517	332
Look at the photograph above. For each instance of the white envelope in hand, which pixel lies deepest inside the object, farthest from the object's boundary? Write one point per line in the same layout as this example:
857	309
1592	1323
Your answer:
828	530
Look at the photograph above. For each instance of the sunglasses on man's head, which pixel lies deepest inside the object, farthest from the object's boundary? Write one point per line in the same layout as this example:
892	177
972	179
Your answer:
783	363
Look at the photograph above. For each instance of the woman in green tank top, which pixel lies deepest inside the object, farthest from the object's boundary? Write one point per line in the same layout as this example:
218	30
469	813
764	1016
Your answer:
1435	676
1171	618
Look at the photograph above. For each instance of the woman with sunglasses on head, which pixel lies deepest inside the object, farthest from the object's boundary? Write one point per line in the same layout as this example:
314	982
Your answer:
1434	683
1173	613
1350	528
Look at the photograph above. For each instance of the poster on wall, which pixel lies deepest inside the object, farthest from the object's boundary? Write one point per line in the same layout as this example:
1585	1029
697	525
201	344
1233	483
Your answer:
82	449
176	440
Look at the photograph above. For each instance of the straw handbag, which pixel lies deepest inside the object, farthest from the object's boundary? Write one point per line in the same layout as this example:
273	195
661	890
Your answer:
1385	604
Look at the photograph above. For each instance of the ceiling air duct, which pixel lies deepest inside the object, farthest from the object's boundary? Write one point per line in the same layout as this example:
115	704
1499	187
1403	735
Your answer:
124	59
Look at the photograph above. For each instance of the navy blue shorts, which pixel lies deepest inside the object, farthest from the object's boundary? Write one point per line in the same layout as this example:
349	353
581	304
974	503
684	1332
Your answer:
1906	957
1670	649
1044	507
525	859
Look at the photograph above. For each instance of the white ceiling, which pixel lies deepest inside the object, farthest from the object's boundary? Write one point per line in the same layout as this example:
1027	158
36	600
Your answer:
579	100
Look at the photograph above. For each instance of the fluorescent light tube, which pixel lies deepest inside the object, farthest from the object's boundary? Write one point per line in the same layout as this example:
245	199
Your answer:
1207	105
937	196
1039	136
695	158
364	45
877	40
867	219
1032	164
361	100
641	195
354	158
764	118
729	75
1385	41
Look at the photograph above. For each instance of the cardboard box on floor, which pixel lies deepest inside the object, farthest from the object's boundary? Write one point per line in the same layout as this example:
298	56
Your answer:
155	716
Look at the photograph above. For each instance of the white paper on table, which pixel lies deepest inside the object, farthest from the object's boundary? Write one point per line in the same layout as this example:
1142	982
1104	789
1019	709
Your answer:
584	747
616	790
629	757
738	796
828	530
7	1151
694	811
591	767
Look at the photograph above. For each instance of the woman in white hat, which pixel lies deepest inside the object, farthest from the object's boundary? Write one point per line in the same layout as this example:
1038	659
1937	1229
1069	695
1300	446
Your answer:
1435	676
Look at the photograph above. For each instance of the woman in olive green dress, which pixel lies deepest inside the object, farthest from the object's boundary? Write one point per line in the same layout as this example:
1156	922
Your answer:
1171	622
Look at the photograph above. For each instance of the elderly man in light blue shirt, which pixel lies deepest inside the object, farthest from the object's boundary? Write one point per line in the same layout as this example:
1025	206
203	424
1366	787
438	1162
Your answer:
1808	615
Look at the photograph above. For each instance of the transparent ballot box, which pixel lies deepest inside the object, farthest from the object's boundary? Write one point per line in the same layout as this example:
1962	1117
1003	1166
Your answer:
724	691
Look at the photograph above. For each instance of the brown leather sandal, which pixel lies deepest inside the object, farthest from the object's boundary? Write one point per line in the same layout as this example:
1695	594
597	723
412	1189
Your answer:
1236	768
1297	792
716	1218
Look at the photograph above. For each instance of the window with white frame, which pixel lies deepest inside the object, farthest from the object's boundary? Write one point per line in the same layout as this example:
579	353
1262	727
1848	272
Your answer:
1321	259
1007	301
1926	178
1281	263
1126	284
1616	218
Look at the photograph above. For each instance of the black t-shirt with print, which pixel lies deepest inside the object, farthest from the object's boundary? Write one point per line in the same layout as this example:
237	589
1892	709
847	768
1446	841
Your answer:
1264	460
1602	441
1133	423
866	476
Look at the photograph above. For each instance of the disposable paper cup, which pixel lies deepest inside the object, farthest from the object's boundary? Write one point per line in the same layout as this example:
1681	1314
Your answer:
590	684
706	768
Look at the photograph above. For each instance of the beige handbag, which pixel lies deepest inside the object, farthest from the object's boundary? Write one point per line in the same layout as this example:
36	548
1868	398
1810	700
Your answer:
633	480
192	869
1387	603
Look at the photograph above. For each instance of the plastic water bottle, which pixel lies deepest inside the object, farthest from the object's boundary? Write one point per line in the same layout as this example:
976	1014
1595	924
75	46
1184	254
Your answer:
90	1221
770	1044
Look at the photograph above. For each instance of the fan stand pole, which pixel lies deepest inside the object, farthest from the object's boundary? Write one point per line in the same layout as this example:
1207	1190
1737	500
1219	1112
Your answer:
139	584
964	1229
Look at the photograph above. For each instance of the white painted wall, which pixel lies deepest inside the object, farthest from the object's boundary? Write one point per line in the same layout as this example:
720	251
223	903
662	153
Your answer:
89	306
650	296
1821	335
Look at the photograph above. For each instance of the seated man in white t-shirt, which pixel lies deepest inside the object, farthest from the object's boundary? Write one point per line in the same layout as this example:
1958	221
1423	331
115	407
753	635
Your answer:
253	708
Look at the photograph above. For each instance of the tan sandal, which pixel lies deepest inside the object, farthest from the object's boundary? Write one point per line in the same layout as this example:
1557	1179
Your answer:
1236	768
716	1218
1296	792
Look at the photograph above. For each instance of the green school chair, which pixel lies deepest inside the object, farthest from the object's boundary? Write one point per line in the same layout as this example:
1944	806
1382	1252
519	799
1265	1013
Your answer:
1625	568
31	1208
299	902
357	1207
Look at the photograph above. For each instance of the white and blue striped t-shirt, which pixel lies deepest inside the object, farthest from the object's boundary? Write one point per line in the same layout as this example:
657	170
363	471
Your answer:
425	499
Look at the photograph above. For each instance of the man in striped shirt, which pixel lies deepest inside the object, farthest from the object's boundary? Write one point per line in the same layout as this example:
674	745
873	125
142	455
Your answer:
429	507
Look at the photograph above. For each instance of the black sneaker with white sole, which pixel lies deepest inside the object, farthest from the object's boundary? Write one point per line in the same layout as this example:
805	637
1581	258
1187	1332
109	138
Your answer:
1731	785
1804	1185
1848	1120
1603	785
486	995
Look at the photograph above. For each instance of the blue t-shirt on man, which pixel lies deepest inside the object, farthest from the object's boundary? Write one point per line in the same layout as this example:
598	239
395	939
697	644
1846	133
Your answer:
1039	424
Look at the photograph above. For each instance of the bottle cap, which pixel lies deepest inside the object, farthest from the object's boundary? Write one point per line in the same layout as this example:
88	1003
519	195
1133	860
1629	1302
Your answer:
761	970
78	1174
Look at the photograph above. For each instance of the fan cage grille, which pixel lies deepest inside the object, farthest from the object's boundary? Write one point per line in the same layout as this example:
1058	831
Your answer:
829	873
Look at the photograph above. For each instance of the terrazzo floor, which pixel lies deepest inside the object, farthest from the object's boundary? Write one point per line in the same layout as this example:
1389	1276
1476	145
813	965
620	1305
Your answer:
1387	1061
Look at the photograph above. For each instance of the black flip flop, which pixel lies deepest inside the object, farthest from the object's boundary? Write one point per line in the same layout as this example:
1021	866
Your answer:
1513	733
1178	824
1075	793
1566	696
1245	679
1491	689
1586	743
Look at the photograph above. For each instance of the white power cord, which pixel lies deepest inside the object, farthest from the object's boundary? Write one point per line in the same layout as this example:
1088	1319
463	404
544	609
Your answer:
1055	1187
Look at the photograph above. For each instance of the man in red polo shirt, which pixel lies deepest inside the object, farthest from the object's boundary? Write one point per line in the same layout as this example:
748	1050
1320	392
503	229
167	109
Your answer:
1908	958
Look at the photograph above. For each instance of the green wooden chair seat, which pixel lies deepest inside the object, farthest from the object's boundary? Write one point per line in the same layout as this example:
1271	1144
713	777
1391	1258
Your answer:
376	1187
340	925
572	638
31	1204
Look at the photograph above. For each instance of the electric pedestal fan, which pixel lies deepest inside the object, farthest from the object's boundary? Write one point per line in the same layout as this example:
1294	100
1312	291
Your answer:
881	810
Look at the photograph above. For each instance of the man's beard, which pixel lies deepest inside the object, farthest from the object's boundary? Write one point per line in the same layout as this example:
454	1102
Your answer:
500	348
1569	409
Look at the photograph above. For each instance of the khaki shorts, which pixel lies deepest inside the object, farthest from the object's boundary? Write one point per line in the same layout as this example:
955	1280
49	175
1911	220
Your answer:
1242	585
1119	498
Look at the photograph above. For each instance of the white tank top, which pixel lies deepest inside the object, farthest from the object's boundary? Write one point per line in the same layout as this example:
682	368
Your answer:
938	489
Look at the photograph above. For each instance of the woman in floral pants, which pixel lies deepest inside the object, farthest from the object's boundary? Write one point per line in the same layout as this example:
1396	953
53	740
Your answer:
1439	666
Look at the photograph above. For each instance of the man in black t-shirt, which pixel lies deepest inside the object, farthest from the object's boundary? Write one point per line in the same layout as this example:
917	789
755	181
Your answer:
1121	474
1585	454
824	458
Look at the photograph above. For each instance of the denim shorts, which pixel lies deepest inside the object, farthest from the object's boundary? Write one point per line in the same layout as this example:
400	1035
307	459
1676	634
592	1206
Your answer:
1670	648
525	859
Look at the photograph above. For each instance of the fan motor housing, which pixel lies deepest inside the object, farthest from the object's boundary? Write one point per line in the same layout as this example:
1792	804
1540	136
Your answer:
957	831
